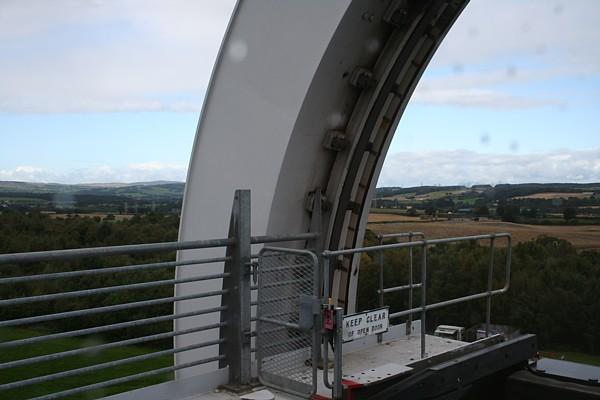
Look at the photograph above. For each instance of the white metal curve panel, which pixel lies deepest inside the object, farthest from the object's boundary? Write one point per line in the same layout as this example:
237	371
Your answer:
257	89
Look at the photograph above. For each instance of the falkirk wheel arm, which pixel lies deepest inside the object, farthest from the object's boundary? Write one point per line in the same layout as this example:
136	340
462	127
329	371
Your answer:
304	97
356	99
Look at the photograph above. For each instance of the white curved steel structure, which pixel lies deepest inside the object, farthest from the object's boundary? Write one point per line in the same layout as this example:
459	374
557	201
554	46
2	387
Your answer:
305	95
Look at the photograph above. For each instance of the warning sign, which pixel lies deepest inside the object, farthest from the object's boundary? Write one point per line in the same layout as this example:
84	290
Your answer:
366	323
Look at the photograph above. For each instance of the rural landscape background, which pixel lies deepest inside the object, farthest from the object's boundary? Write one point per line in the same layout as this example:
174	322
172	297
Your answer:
555	264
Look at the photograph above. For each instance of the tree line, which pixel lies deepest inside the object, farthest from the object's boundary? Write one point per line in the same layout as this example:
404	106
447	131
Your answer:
554	288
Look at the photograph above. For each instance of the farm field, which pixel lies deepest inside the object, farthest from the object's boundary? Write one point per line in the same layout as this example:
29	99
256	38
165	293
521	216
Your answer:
388	218
583	237
73	362
118	217
555	195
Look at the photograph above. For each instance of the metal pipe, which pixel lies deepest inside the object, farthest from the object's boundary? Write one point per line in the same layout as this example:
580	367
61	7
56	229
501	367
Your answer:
337	363
326	279
410	282
96	271
381	290
99	310
402	288
111	327
108	289
110	364
328	384
101	347
330	253
488	308
423	298
280	323
283	238
441	304
127	378
400	235
70	254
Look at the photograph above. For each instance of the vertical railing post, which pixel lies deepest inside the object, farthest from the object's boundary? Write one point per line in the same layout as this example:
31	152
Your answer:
410	282
237	332
380	291
423	297
488	311
337	362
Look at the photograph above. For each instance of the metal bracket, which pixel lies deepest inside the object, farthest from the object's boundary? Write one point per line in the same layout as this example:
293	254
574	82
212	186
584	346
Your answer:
311	200
336	141
362	78
309	307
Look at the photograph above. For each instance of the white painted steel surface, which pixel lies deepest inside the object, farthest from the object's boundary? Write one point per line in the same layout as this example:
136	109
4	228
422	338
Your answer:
282	81
257	89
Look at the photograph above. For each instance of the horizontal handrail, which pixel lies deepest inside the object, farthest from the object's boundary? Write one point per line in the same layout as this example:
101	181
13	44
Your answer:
97	271
128	378
280	323
109	364
446	303
401	288
105	346
418	243
116	307
283	238
400	235
108	289
70	254
110	327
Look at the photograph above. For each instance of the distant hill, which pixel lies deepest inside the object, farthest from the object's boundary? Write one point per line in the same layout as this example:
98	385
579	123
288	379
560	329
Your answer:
157	190
499	192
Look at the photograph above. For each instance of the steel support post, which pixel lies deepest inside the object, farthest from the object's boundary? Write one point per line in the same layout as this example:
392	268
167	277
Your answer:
337	361
488	310
237	317
410	282
423	297
381	300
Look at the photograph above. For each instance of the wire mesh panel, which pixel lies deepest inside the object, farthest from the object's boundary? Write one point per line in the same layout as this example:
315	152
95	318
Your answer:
287	339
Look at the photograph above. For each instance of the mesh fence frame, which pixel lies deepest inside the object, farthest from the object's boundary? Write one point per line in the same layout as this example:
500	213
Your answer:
285	352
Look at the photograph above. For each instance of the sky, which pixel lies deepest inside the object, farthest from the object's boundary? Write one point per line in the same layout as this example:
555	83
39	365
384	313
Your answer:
111	91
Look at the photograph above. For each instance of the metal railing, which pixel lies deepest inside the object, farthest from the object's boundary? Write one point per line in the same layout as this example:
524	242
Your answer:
234	340
424	306
410	286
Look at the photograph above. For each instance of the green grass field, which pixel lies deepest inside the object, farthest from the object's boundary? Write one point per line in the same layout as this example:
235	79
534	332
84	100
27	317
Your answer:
73	362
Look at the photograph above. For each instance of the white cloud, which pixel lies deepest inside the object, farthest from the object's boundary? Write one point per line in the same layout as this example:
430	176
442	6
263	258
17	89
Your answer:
98	55
108	56
485	98
496	46
141	172
557	32
469	167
